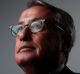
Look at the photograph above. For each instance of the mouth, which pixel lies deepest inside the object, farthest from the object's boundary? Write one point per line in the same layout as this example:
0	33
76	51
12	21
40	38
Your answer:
26	49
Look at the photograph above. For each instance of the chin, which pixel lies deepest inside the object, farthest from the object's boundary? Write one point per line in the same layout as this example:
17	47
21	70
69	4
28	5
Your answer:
25	58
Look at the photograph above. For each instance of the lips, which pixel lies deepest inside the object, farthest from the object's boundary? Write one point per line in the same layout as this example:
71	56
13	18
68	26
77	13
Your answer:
26	48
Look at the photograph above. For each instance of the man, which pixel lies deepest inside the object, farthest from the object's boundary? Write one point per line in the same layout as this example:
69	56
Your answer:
44	37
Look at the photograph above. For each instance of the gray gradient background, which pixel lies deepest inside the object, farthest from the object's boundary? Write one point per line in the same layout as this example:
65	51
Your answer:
9	13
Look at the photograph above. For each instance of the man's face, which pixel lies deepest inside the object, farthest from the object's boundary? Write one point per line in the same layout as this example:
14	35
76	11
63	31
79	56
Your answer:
30	46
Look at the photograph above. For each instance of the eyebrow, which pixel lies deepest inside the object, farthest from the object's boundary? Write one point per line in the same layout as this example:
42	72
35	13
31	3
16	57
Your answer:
20	23
35	19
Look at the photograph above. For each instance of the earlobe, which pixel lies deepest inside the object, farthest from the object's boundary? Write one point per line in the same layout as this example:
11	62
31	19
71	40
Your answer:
62	58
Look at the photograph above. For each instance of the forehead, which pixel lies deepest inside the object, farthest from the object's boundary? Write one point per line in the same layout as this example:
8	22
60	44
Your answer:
35	12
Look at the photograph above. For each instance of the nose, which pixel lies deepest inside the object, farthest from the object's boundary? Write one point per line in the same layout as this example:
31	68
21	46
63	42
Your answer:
25	34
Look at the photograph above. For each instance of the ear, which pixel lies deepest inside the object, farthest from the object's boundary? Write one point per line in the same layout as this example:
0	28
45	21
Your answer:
62	58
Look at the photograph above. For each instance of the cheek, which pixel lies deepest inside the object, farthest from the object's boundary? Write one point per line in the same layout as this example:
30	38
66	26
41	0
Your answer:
17	45
52	43
40	42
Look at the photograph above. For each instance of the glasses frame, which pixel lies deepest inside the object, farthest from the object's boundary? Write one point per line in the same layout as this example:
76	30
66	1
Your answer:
15	32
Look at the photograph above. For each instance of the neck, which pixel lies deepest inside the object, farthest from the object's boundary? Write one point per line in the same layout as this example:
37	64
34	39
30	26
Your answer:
40	66
32	70
38	69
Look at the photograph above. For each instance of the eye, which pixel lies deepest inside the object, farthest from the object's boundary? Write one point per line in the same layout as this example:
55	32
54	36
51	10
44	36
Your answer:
16	29
36	26
20	28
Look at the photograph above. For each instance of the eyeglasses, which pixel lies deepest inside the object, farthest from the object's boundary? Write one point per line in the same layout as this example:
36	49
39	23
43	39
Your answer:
34	27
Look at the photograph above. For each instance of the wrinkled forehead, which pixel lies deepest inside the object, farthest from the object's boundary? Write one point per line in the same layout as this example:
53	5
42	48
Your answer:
34	13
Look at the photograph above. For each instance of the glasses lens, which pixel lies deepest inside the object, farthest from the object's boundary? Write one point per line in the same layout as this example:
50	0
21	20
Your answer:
36	26
16	29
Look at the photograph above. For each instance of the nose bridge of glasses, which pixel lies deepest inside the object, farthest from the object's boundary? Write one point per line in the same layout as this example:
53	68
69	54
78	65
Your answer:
25	28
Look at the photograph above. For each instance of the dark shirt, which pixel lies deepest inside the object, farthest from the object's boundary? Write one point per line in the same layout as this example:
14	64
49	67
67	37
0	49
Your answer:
66	70
63	70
